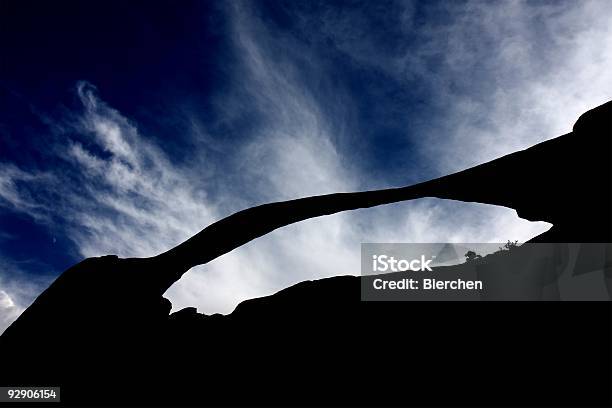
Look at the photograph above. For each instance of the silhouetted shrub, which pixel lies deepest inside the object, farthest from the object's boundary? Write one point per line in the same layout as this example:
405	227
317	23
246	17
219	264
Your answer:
508	246
471	256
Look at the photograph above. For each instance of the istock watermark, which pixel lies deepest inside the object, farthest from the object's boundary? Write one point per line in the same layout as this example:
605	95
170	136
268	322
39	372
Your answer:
385	263
491	271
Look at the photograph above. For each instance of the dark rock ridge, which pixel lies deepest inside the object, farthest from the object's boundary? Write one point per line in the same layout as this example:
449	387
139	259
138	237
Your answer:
102	331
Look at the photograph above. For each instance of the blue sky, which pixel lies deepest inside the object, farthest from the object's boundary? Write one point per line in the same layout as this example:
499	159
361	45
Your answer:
126	128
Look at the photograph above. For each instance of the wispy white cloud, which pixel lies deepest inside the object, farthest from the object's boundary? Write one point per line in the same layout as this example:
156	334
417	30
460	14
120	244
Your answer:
134	201
509	74
16	190
9	311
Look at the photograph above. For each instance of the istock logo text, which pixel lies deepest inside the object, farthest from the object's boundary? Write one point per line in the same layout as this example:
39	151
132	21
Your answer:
385	263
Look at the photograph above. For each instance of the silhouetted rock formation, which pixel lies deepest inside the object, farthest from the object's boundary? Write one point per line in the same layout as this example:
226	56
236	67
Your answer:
103	331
